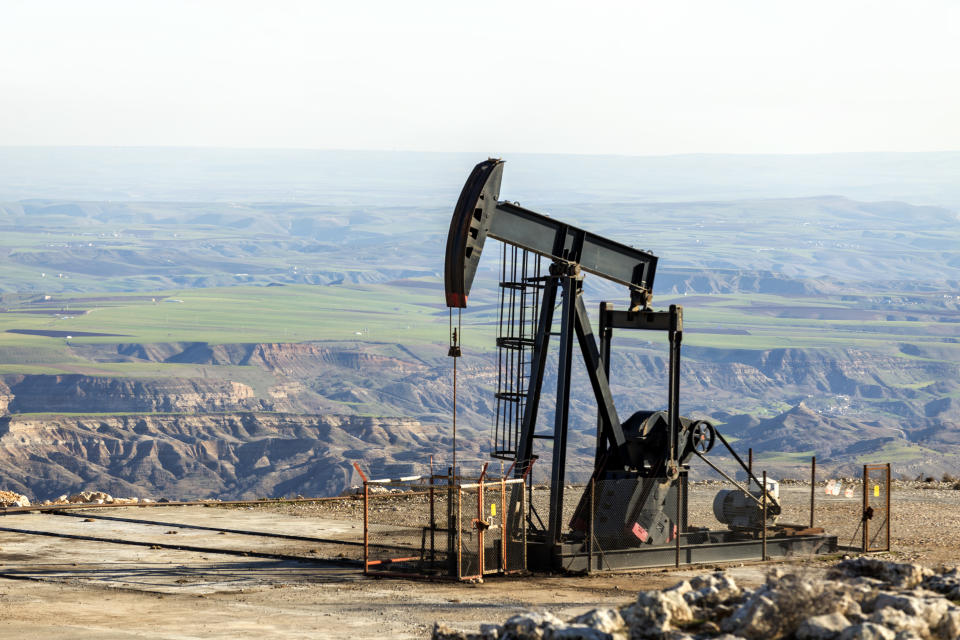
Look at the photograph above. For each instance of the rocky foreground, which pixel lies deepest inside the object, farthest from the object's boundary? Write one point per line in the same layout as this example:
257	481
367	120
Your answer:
861	598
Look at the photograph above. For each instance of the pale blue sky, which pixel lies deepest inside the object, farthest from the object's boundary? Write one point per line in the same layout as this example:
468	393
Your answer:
604	77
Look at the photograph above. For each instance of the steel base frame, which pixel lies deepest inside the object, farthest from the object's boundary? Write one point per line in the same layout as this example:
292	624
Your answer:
572	558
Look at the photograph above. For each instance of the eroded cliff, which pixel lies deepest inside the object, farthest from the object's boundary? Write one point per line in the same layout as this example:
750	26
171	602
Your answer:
216	455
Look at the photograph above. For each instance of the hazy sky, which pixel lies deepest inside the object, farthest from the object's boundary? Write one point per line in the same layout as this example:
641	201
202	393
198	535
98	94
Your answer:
637	77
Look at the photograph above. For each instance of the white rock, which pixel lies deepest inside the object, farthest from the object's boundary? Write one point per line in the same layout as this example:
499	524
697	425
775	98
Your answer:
947	583
711	590
680	588
13	499
897	620
825	627
758	617
949	627
850	608
931	610
532	625
867	631
655	612
898	574
607	620
578	633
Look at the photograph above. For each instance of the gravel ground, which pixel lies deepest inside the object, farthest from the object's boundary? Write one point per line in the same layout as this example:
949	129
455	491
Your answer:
925	528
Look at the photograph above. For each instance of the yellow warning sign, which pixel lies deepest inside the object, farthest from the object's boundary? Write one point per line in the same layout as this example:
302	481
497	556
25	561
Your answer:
493	509
876	491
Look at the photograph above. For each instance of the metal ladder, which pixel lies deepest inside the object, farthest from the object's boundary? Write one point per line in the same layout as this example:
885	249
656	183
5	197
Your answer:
520	287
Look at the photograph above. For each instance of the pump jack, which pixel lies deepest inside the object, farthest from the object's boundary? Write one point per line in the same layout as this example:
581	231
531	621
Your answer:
647	455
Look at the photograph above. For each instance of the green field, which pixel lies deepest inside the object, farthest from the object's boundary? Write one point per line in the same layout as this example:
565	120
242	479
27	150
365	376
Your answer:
408	313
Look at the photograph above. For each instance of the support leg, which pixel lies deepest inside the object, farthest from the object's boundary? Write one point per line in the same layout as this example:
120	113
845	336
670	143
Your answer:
561	415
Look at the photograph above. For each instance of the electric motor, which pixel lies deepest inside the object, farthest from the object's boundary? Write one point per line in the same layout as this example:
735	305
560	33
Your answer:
737	510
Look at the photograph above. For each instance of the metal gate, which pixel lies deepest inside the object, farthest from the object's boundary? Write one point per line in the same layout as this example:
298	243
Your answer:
876	507
491	528
404	535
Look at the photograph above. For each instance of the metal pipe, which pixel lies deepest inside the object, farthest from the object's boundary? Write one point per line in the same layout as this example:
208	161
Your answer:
593	486
676	526
187	503
562	409
523	520
735	483
459	533
675	336
183	547
454	442
453	535
738	459
763	533
503	524
180	525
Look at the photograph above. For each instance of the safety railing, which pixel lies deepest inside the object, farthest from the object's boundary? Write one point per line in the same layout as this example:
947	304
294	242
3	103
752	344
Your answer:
429	526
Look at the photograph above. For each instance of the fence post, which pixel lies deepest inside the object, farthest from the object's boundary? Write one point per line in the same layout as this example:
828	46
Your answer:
366	518
593	484
523	520
813	486
503	525
763	525
459	533
480	528
366	526
452	533
676	527
433	522
889	517
866	503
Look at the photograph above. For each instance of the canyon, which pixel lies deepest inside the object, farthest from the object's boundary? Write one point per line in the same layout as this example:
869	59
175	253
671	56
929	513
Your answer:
323	406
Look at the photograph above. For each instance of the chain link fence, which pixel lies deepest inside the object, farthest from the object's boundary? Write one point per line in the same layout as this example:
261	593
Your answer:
876	507
403	526
429	526
616	515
